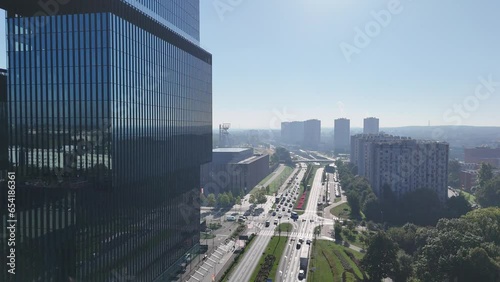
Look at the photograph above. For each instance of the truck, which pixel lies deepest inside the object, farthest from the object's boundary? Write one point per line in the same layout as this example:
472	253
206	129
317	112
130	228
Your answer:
304	260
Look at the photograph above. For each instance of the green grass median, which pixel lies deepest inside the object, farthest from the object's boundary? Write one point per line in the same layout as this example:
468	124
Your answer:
329	261
269	261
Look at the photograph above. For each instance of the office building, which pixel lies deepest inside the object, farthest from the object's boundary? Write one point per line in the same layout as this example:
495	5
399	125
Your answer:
371	125
110	118
482	155
407	165
302	133
341	135
235	170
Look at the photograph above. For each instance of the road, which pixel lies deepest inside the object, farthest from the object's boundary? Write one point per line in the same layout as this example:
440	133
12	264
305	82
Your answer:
251	257
304	228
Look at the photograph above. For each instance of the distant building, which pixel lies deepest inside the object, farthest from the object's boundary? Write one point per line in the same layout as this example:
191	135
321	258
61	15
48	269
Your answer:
233	169
371	125
312	133
482	155
341	135
303	133
468	179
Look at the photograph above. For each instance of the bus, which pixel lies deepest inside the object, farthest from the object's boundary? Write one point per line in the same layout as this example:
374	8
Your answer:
294	216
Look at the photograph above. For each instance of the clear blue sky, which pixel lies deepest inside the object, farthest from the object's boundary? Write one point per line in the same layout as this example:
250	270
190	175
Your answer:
279	60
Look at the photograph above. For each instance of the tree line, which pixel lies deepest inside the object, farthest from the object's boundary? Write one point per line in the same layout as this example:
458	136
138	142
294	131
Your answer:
458	249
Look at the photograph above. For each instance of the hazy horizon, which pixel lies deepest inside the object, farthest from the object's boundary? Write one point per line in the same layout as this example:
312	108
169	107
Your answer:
276	62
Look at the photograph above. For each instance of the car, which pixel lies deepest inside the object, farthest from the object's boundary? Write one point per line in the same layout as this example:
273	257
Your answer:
311	220
303	219
280	215
299	245
301	274
274	213
289	210
301	240
290	205
267	223
308	242
275	222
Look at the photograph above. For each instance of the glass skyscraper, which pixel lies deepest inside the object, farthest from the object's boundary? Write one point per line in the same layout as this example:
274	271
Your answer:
109	119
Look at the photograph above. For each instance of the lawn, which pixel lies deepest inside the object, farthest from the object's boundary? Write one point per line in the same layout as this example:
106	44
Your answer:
275	248
285	227
206	236
470	197
279	180
343	210
276	183
329	261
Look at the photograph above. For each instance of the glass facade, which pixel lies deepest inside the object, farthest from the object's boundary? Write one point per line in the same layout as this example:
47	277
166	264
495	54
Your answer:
183	14
109	120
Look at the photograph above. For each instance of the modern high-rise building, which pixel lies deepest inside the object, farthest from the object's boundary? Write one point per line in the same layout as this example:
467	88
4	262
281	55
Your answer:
371	125
304	133
341	135
402	163
110	119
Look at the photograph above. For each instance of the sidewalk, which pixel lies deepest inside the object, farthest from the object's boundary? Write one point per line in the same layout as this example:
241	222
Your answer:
212	265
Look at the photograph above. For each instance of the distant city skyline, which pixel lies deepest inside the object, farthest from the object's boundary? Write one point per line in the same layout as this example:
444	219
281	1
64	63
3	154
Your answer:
422	65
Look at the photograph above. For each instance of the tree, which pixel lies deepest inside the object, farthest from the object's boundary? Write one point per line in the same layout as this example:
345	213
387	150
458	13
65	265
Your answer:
238	201
230	198
211	201
485	174
421	207
488	194
381	257
251	200
223	200
454	169
281	155
338	231
403	268
203	199
371	208
353	201
457	206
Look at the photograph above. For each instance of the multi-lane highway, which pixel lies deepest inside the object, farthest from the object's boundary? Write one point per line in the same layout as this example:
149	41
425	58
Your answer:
251	257
304	229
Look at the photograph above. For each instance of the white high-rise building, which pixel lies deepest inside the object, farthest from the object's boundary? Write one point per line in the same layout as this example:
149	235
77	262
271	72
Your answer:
402	163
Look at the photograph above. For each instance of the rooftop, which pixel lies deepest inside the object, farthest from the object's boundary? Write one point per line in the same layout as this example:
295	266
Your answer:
230	150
